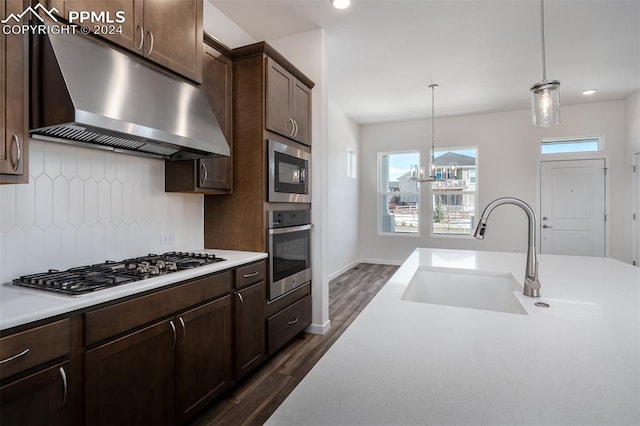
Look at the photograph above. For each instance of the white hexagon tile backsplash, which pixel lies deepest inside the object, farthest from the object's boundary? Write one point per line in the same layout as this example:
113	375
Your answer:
85	206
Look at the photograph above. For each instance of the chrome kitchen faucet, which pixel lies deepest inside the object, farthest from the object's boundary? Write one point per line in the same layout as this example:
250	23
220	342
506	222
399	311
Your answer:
531	283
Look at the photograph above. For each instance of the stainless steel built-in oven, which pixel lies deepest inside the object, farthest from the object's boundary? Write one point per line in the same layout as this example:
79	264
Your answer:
289	250
289	173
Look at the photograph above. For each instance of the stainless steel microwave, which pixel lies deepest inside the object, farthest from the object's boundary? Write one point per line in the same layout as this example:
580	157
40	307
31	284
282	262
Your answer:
289	174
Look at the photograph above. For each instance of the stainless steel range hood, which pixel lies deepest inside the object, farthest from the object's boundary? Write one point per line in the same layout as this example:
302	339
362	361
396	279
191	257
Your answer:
85	92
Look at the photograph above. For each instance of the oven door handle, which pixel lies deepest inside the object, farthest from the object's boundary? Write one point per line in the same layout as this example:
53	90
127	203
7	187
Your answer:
289	229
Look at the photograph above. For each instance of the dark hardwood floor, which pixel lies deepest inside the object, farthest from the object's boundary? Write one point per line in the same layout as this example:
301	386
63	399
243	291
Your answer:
254	400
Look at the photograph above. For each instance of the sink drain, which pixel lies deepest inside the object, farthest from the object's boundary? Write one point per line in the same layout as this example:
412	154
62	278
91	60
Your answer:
541	305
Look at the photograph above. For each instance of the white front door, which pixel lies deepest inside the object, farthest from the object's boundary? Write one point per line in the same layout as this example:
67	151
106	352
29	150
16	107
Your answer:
572	207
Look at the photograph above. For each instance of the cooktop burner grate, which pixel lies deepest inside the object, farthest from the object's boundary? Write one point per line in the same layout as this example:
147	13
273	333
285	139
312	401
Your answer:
86	279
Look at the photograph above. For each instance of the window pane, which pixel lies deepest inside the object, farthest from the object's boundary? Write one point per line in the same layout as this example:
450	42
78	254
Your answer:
453	213
399	198
454	199
566	146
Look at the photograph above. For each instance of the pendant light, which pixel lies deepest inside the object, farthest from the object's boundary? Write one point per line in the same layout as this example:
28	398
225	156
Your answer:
433	173
545	96
340	4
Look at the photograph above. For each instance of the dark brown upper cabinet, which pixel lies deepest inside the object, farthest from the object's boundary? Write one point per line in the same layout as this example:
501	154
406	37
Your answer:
288	104
210	175
168	32
14	79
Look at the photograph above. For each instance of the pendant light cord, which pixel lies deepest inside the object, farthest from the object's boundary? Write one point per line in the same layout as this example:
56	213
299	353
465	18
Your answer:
433	124
544	61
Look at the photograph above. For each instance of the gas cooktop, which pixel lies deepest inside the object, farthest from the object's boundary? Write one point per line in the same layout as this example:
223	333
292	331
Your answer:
86	279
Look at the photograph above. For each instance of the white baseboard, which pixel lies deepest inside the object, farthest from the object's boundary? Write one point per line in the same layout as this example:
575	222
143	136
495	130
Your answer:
382	261
319	329
343	270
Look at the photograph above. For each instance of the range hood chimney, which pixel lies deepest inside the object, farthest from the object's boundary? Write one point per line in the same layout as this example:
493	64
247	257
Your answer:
86	92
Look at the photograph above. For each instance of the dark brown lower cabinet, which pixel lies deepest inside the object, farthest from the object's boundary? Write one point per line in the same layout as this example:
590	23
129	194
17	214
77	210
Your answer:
164	373
287	323
131	380
39	399
203	356
249	308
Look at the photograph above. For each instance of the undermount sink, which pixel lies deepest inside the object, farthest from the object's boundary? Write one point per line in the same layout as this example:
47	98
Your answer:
466	289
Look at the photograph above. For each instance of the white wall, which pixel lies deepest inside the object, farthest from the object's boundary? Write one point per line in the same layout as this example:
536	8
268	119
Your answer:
508	166
632	105
84	206
343	203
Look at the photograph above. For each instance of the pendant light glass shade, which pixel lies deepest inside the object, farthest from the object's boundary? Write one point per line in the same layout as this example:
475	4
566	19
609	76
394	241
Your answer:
545	104
545	96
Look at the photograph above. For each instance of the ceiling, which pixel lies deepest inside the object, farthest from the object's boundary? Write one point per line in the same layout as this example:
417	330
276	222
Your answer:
484	54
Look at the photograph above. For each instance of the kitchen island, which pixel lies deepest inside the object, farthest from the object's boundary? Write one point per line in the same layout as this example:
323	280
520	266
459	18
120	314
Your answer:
405	362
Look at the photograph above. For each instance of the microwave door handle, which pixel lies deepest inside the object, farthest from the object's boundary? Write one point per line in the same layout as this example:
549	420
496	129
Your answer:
303	175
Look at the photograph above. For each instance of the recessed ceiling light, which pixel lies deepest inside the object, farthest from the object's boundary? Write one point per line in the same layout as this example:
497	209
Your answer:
341	4
589	92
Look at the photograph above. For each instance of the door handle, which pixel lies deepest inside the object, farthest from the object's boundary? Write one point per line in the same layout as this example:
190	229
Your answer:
173	330
205	173
293	127
241	298
547	226
16	141
151	41
184	331
139	48
63	375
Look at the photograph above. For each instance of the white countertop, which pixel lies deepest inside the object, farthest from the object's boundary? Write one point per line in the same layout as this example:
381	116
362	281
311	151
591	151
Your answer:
20	306
404	363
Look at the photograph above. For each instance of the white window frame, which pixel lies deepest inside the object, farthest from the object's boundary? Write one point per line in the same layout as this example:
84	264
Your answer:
352	163
381	194
475	196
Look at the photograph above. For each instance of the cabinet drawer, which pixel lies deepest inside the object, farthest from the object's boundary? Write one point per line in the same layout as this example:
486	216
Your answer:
287	323
111	320
21	351
250	274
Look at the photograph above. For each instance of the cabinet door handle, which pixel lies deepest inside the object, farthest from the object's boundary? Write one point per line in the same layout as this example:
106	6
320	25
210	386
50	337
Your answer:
173	329
293	127
151	43
205	172
253	274
240	297
184	331
294	321
16	141
547	226
64	386
11	358
139	48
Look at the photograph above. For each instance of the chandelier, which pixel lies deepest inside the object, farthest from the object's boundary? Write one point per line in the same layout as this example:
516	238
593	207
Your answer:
433	172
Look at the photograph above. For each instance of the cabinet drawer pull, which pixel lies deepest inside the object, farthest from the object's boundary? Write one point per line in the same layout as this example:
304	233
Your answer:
294	321
253	274
64	386
184	331
139	48
205	173
151	44
11	358
240	297
173	329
